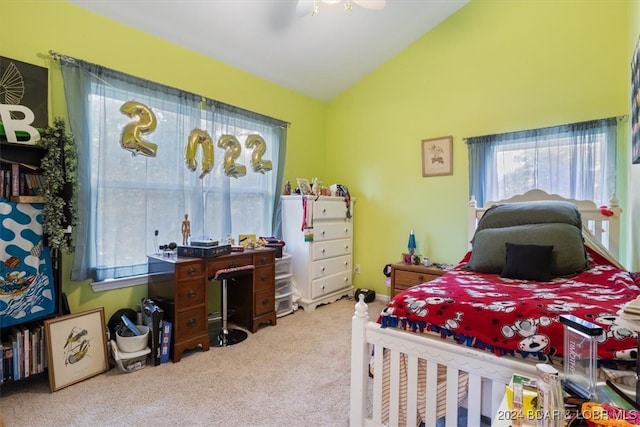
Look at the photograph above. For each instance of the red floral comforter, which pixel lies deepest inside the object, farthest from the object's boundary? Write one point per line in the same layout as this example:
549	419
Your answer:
508	316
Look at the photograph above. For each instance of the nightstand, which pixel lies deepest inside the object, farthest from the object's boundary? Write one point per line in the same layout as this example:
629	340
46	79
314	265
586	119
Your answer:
404	276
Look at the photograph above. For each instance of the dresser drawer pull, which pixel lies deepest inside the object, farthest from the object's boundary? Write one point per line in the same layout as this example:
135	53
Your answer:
346	263
191	293
324	210
263	260
191	271
346	279
346	231
191	322
265	301
346	247
323	268
324	250
232	264
323	233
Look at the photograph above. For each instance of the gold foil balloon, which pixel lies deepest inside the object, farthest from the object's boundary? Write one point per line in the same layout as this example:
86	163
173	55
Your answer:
259	148
132	132
232	151
202	138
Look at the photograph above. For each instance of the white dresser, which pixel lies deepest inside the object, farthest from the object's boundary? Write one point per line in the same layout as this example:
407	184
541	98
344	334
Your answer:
323	251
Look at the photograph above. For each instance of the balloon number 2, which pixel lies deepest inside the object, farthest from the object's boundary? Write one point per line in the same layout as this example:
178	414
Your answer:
132	140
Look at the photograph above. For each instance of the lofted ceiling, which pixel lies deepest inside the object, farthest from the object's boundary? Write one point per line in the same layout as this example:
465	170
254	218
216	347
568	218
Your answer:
319	56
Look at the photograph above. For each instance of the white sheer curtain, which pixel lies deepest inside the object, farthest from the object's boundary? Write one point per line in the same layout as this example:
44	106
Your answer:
576	160
126	198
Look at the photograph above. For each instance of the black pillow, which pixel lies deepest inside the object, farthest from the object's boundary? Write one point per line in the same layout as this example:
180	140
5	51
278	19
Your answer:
528	262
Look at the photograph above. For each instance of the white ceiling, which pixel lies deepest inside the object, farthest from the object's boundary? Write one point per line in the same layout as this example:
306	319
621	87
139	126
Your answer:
319	56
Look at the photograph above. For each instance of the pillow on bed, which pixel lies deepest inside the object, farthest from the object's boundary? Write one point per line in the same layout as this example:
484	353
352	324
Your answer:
528	262
568	257
538	212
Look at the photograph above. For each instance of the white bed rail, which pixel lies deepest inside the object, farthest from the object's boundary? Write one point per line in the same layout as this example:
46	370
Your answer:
487	377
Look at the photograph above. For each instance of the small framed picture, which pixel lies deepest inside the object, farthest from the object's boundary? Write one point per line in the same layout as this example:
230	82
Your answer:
437	156
304	186
76	347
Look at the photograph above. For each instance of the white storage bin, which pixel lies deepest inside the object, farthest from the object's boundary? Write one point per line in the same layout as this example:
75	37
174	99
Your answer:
283	284
283	265
284	305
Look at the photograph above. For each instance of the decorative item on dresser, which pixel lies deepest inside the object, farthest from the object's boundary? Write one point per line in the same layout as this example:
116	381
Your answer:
404	276
319	236
180	285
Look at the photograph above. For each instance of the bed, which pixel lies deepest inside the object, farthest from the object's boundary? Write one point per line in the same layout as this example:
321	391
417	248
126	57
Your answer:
465	333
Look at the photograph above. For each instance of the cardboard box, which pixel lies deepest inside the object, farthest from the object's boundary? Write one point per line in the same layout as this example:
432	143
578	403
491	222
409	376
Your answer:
529	395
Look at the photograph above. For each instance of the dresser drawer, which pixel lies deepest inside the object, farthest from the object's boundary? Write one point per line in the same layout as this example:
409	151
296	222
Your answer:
265	301
191	292
330	249
332	230
263	278
334	209
327	285
214	265
189	270
190	323
327	267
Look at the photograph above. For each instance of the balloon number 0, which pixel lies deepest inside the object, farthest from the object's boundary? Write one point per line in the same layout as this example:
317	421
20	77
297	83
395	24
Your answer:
133	141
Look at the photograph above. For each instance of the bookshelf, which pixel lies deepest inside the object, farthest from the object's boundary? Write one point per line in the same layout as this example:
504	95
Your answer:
23	354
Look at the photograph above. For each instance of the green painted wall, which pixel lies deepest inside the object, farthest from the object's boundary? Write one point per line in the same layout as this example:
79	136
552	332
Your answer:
494	66
30	29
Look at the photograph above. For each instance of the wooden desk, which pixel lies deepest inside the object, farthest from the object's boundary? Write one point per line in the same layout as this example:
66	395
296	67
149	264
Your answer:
404	276
180	285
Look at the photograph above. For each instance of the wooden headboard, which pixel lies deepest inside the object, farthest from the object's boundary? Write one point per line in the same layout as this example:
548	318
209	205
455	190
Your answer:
605	229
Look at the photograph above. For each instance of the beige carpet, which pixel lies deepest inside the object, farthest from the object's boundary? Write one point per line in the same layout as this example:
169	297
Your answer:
296	373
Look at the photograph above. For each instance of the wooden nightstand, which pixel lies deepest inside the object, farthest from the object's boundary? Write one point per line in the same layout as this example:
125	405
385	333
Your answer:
404	276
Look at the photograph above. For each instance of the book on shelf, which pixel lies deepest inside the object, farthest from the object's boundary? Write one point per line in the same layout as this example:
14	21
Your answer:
7	361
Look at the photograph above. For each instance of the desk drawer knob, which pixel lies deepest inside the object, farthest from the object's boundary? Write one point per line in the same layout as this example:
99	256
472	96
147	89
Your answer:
263	260
191	293
264	277
265	301
191	322
421	278
191	271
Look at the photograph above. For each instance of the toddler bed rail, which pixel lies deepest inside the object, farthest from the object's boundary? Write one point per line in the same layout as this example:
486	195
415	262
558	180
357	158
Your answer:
460	377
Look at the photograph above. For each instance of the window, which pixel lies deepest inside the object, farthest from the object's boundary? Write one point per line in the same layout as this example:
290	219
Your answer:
574	161
132	202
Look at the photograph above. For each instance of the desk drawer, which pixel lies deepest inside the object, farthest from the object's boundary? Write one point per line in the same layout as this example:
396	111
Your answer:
228	262
190	323
265	302
263	278
190	270
191	292
264	258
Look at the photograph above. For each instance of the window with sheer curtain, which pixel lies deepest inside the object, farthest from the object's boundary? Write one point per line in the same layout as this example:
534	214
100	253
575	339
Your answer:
131	203
575	160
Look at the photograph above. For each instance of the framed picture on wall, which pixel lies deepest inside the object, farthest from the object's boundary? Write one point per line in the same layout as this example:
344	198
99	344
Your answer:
635	105
437	156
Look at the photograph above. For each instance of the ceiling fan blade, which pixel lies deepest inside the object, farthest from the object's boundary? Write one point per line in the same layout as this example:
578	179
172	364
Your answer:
371	4
304	7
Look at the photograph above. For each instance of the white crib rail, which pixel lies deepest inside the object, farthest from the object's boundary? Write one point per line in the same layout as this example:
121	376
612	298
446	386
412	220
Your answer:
487	376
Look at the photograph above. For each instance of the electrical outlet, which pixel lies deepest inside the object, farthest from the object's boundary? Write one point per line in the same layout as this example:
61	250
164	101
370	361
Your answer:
356	269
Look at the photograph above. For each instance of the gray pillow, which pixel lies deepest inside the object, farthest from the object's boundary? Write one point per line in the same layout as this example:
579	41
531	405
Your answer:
538	212
568	257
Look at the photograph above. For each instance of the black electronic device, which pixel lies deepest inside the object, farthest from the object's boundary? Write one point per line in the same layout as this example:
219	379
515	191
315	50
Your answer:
369	294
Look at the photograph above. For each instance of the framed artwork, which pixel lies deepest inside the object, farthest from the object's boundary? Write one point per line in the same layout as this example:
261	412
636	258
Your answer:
76	347
28	85
304	186
437	156
635	105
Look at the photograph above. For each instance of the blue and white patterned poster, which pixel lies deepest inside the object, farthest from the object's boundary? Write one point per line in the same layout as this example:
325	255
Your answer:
27	289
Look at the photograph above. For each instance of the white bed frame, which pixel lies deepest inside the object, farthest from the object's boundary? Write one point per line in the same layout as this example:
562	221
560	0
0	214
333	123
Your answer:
488	374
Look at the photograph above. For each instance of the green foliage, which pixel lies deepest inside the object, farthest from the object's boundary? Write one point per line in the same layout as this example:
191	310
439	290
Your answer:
60	167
